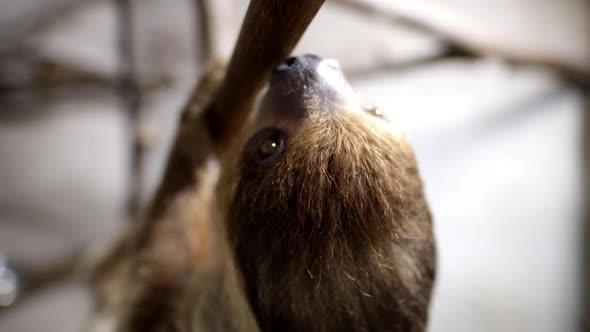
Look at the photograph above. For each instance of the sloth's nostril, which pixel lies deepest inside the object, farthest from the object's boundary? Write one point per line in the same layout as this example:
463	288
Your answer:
286	65
290	61
298	63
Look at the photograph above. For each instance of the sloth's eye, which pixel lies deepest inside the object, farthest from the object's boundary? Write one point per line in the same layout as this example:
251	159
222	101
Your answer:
267	145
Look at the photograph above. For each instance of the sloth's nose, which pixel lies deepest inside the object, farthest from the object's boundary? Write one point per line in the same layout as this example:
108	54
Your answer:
308	69
308	75
304	83
306	62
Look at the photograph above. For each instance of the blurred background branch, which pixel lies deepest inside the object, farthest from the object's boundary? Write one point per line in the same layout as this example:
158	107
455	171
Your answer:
131	95
464	34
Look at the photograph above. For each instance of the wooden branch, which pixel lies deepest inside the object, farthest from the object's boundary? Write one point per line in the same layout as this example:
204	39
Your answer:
440	21
204	28
269	33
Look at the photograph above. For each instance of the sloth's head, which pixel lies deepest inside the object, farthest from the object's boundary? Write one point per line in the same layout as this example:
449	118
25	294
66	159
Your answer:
319	180
316	162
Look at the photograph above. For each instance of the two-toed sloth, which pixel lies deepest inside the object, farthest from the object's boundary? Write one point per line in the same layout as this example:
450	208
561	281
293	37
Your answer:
323	214
325	210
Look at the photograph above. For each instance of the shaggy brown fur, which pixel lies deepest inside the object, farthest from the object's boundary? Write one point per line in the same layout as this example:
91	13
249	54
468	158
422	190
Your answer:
174	272
335	234
331	233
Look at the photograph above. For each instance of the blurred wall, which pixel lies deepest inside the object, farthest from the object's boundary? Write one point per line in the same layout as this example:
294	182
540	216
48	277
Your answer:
499	146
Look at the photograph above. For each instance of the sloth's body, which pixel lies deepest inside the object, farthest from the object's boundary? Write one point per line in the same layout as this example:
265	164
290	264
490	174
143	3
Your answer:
325	212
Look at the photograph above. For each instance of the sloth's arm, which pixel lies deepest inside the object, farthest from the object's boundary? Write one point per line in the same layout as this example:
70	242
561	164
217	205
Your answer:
175	272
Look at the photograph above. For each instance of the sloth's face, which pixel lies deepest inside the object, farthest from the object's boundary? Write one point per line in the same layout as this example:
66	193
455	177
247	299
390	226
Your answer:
304	93
316	161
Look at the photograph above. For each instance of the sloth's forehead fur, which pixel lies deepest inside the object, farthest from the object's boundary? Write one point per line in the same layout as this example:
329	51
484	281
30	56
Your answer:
342	172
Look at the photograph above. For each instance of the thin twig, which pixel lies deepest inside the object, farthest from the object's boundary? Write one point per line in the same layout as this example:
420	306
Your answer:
204	29
442	23
356	73
217	23
130	94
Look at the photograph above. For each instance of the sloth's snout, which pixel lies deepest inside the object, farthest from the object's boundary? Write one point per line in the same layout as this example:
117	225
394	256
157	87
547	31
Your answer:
298	64
309	71
301	81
